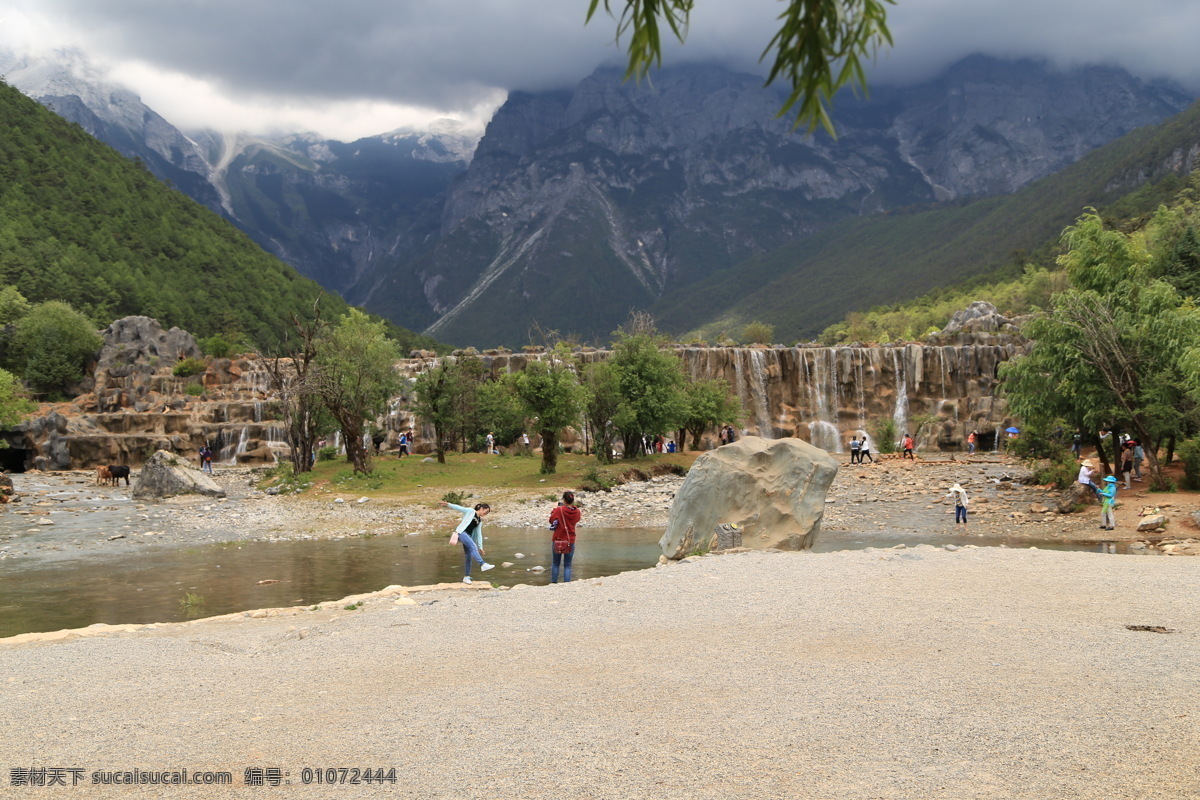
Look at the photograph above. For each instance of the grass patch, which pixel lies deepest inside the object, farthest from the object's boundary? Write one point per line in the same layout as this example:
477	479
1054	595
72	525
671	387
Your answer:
478	476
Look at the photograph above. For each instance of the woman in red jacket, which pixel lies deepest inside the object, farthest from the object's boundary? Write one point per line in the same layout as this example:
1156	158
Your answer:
563	520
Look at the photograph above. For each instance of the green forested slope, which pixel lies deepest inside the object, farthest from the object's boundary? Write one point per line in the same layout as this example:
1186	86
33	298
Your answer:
808	285
80	223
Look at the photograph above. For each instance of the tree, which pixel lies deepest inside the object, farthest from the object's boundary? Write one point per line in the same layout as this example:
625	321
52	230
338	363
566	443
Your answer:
649	380
51	346
601	402
13	403
292	381
1113	349
355	376
551	395
435	397
707	404
758	333
818	49
13	305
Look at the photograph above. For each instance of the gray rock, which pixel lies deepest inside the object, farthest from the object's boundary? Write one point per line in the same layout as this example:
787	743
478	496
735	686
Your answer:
167	475
774	489
1152	522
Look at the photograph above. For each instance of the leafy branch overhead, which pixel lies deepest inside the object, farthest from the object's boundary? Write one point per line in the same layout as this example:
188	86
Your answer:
819	48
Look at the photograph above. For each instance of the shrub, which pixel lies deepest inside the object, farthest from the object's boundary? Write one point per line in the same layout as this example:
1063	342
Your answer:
189	367
1189	454
194	389
457	498
885	434
597	480
327	453
217	346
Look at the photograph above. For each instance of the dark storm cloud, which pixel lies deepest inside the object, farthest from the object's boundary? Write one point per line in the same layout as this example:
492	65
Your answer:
447	54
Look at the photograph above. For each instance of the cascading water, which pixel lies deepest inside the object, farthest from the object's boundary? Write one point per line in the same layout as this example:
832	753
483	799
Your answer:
758	369
900	415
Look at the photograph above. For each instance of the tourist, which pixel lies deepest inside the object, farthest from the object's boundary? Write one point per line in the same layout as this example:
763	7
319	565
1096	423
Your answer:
525	441
491	443
1087	475
959	495
907	444
721	437
1108	501
469	534
864	450
854	450
971	437
403	451
1077	443
563	520
1127	463
206	458
1138	456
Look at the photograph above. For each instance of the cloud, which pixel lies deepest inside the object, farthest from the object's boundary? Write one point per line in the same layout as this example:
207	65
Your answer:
389	62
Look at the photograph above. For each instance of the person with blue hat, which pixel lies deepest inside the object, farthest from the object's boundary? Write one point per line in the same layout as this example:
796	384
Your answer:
1108	501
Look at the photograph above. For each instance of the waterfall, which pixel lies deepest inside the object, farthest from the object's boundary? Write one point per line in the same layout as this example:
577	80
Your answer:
243	440
766	427
900	415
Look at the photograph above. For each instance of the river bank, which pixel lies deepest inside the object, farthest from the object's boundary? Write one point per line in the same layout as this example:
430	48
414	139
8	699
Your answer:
982	672
65	515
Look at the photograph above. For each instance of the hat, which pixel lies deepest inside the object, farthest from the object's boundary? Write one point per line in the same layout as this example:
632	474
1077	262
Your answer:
956	488
1087	462
1110	479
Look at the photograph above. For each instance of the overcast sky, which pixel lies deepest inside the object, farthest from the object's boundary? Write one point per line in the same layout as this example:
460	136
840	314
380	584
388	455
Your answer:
349	68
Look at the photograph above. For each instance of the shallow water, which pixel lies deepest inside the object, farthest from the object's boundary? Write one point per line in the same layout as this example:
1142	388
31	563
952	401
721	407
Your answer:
69	576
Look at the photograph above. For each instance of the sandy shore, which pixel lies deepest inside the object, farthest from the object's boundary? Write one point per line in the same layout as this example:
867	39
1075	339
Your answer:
919	672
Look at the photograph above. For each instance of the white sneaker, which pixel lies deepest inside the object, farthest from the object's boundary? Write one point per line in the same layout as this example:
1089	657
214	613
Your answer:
485	567
467	579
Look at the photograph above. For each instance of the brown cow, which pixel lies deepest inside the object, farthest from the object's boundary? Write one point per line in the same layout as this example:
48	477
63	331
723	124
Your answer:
103	476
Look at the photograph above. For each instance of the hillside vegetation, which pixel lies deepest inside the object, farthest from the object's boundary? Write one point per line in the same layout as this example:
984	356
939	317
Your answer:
808	286
82	224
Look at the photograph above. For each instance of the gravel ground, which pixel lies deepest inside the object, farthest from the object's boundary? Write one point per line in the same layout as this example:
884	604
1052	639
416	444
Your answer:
907	673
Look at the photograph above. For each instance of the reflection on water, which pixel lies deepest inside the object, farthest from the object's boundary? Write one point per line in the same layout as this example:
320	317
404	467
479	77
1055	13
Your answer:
46	596
74	594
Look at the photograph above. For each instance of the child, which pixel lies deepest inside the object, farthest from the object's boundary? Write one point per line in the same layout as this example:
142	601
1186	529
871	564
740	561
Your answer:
960	503
1108	501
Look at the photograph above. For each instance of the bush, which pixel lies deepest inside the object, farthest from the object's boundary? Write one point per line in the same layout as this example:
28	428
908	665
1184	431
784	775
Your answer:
189	367
885	434
1189	454
194	389
597	480
457	498
327	453
216	346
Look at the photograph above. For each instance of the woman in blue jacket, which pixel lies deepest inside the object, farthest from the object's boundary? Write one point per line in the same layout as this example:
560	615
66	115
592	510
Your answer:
469	534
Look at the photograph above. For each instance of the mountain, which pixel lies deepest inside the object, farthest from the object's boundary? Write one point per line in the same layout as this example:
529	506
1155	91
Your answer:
581	205
335	211
83	224
805	286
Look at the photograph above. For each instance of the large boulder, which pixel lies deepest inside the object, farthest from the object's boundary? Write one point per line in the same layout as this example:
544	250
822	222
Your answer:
773	489
168	475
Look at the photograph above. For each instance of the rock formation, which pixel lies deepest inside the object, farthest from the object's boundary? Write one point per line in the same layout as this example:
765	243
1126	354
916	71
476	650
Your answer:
167	475
773	490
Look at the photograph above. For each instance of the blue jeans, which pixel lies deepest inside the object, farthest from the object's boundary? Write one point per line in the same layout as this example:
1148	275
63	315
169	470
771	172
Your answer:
470	552
960	511
565	560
